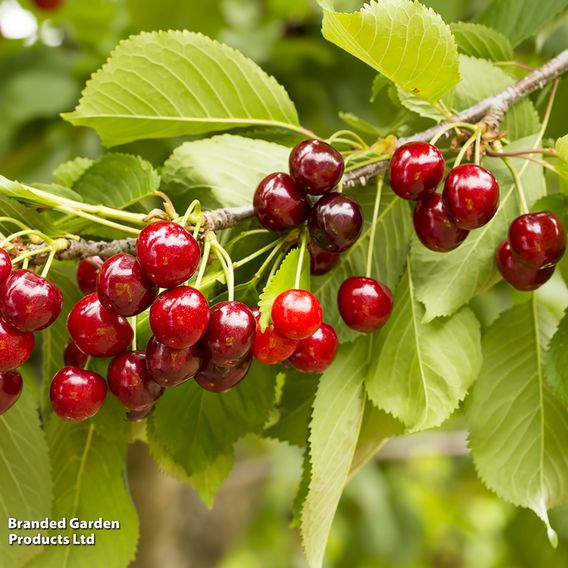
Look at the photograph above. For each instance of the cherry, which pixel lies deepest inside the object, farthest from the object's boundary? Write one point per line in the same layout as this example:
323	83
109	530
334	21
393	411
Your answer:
279	204
316	353
5	265
29	301
416	169
517	274
96	330
130	381
138	415
222	379
73	356
316	166
471	196
364	303
537	239
122	286
230	333
434	227
168	254
171	367
335	222
77	394
10	389
179	317
321	261
87	271
269	346
48	5
15	346
296	314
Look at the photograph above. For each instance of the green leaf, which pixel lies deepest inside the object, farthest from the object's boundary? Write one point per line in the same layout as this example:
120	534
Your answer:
11	208
557	203
25	475
561	147
556	361
419	106
166	84
69	172
222	171
480	41
518	429
403	40
421	371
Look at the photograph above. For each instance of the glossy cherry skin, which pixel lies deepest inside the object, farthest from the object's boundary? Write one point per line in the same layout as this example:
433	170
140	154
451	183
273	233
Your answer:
222	379
519	275
316	353
434	226
87	271
122	286
416	169
335	222
538	239
171	367
5	265
138	415
29	301
96	330
168	254
322	261
296	314
130	381
15	346
316	166
10	389
230	333
179	317
48	5
74	357
278	204
269	346
77	394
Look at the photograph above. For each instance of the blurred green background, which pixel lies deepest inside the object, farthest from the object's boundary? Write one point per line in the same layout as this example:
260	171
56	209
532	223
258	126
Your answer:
419	504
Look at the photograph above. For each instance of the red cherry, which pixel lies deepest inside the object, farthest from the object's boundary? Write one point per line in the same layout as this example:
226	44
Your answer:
74	357
96	330
519	275
269	346
316	166
87	271
130	381
168	254
538	239
434	227
322	261
5	265
296	314
416	169
48	5
138	415
77	394
171	367
222	379
10	389
316	353
15	346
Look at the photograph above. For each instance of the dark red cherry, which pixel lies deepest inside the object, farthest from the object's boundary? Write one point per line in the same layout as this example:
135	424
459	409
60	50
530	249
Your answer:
322	261
130	381
519	275
74	357
48	5
87	271
138	415
279	204
77	394
269	346
364	303
168	254
15	346
230	333
10	389
96	330
296	314
316	353
122	286
179	317
434	227
316	166
5	265
29	301
222	379
335	222
538	239
171	367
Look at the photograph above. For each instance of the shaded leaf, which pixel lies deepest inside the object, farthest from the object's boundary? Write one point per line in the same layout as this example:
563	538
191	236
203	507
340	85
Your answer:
481	41
69	172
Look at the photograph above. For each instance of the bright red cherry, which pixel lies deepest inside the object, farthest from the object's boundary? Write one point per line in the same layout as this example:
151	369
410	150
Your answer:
48	5
416	169
269	346
122	286
316	166
171	367
538	239
29	301
87	271
322	261
335	222
179	317
364	303
434	227
10	389
15	346
130	381
96	330
278	203
74	357
316	353
77	394
296	314
222	379
519	275
5	265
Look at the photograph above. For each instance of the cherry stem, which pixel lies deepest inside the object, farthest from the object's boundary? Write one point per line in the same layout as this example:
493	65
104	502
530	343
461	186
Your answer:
227	265
49	262
521	153
28	254
452	126
268	260
464	149
478	135
169	207
203	263
275	266
23	233
518	185
99	220
353	137
245	234
303	246
195	205
22	226
134	332
255	254
374	226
